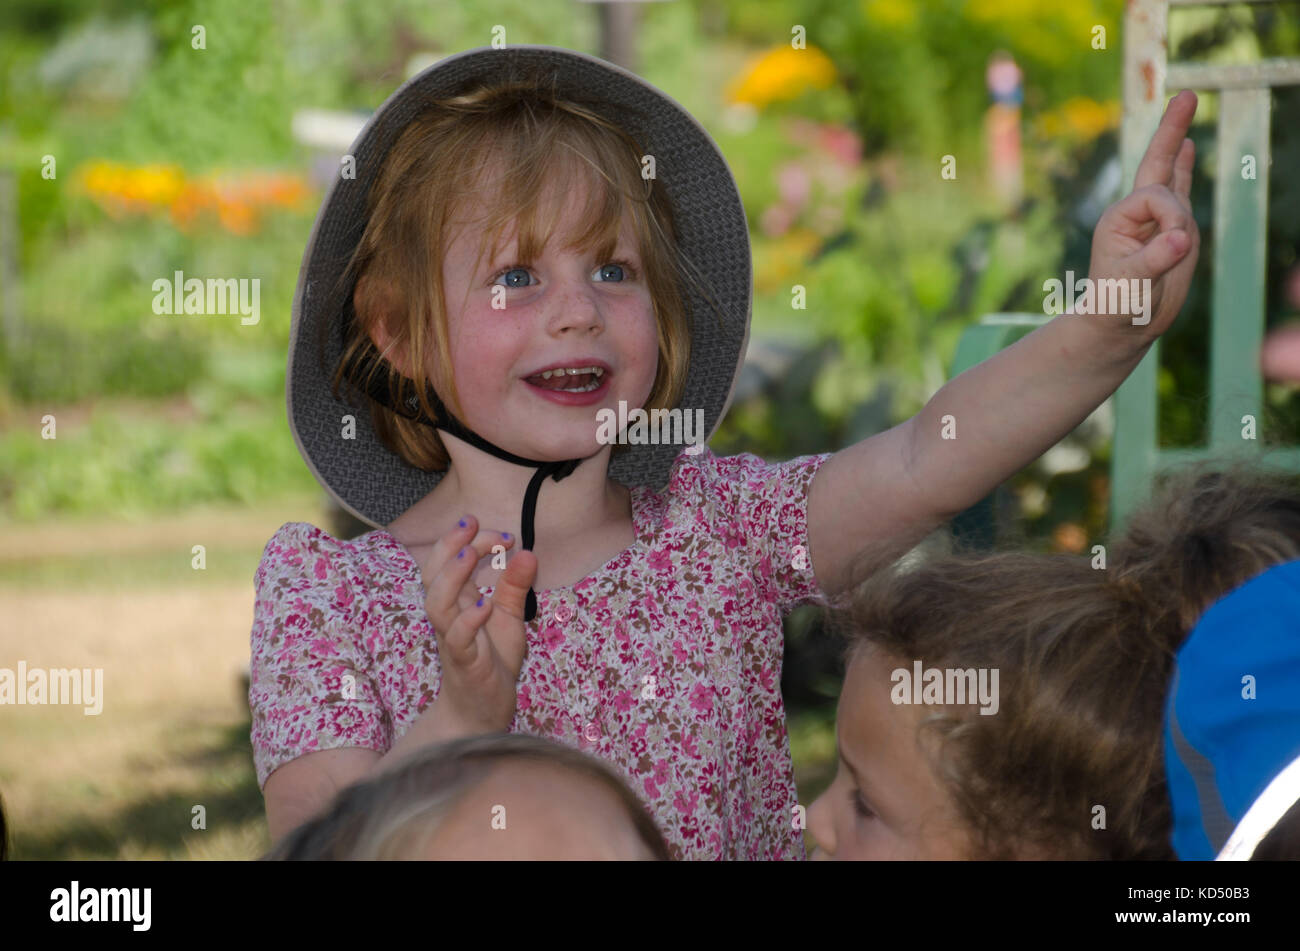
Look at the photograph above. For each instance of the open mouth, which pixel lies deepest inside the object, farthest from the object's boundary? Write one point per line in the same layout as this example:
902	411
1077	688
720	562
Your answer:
569	379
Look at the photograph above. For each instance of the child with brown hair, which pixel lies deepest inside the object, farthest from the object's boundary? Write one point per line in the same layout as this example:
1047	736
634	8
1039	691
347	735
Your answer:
1067	758
1059	759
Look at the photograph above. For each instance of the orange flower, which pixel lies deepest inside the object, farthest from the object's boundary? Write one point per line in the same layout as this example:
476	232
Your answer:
1069	537
236	201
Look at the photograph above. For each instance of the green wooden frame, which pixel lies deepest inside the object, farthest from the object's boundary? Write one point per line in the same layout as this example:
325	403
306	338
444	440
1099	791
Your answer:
1237	302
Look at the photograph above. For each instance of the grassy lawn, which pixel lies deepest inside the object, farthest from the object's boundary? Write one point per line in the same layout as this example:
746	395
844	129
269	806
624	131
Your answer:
173	733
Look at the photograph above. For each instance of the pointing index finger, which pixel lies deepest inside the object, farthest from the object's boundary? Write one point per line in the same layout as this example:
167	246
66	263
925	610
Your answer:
1157	166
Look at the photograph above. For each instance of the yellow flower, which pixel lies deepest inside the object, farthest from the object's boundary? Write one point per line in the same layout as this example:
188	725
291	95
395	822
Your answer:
782	73
778	261
1079	119
120	187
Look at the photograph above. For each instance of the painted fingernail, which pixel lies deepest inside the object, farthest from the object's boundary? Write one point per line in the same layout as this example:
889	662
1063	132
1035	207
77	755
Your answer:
461	553
479	604
463	523
506	536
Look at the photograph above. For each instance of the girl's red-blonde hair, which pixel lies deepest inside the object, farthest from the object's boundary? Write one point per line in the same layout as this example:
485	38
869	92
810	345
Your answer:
519	142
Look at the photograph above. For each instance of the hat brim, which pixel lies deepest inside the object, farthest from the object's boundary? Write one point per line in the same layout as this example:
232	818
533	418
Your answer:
364	476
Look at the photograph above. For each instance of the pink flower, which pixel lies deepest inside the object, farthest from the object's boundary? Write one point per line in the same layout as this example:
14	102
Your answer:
660	561
841	143
651	790
321	568
623	701
552	636
733	536
794	183
689	747
344	595
661	771
702	699
684	805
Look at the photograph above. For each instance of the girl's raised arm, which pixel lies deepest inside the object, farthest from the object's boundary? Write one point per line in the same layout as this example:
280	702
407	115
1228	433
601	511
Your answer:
997	417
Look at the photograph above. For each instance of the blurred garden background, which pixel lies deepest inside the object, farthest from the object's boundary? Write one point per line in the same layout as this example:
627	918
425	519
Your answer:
128	153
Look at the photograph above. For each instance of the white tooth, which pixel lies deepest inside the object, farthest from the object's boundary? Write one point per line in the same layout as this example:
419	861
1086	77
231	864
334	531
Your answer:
546	374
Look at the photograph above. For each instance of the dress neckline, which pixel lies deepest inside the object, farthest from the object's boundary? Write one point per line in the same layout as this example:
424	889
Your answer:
640	528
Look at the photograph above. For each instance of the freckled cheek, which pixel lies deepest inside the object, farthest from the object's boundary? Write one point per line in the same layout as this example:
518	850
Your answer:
483	375
640	353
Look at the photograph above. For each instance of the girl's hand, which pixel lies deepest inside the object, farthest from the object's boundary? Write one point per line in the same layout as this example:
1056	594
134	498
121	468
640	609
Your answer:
1151	234
481	641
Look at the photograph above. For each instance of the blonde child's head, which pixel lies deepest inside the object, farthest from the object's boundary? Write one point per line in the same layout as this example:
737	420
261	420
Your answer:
501	796
1052	747
546	182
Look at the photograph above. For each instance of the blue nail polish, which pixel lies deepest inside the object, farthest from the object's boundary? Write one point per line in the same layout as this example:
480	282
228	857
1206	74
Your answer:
461	553
506	536
480	603
463	523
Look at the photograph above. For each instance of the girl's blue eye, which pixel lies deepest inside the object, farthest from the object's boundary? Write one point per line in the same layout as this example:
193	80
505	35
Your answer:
512	270
622	271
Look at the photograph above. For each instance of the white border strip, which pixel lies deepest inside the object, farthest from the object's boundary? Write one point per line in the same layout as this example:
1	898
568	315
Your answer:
1273	803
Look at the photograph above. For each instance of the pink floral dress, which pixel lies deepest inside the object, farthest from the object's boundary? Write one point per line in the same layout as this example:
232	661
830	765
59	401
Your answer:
666	662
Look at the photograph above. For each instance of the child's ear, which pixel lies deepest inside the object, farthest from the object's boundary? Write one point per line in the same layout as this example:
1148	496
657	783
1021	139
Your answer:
379	307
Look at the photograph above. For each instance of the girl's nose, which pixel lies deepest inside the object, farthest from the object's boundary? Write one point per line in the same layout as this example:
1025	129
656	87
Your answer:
579	318
821	828
575	310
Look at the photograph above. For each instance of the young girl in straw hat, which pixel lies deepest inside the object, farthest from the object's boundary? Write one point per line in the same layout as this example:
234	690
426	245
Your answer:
524	241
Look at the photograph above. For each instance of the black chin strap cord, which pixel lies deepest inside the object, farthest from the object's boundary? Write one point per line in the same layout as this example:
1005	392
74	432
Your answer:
376	389
555	470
